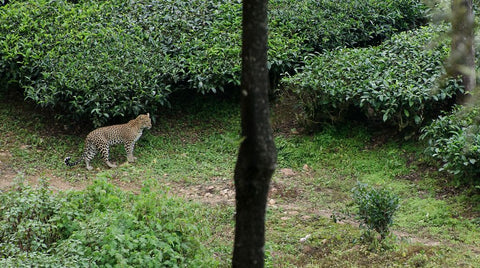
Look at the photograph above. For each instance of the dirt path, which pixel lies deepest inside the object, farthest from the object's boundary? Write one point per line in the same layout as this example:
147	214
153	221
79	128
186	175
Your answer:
7	174
8	177
222	191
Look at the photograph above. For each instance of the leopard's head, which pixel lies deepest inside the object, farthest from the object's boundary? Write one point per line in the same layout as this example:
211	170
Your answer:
144	120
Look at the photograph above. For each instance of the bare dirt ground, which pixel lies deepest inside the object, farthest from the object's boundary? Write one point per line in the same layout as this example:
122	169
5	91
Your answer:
8	176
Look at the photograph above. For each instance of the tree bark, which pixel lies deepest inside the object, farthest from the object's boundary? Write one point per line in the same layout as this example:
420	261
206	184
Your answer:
257	154
462	55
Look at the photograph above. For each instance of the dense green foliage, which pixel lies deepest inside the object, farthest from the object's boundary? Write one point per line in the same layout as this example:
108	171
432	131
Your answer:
398	82
101	226
376	208
454	139
25	223
98	60
326	24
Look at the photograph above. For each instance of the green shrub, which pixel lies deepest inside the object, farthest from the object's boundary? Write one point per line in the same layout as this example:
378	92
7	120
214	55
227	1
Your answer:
73	58
326	24
454	140
100	60
397	82
27	221
376	208
101	226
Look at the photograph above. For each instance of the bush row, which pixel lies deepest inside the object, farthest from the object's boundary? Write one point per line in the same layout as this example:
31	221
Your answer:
326	24
399	82
98	60
100	226
454	140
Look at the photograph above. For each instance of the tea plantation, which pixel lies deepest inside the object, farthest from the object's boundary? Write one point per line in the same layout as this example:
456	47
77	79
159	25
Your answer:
377	166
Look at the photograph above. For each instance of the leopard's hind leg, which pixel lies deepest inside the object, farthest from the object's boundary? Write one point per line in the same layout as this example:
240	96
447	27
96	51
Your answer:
104	150
89	154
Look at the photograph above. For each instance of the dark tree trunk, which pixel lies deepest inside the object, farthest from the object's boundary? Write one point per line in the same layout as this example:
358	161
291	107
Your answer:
462	55
257	154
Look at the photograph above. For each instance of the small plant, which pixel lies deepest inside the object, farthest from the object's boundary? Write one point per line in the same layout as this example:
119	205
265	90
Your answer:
376	208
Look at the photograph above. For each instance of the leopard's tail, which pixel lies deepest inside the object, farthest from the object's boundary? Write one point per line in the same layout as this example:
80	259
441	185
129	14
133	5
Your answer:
71	164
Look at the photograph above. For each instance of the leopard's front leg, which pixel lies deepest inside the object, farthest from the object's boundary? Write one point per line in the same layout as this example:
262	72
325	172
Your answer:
129	149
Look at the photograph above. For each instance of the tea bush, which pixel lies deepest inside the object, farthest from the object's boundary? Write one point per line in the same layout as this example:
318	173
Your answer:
71	57
376	208
454	140
100	60
399	82
101	226
325	25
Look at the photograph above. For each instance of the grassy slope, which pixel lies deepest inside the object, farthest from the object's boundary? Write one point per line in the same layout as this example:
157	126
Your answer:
192	152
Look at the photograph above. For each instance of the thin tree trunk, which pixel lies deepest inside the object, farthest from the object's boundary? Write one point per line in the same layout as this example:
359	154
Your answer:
257	154
462	55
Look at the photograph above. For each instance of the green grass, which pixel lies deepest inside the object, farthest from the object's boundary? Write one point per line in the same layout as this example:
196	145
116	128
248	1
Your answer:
192	148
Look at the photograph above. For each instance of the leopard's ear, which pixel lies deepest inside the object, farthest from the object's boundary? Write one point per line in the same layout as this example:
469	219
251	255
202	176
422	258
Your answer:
148	114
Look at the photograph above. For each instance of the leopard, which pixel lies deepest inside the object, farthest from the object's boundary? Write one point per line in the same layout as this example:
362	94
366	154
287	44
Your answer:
100	140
